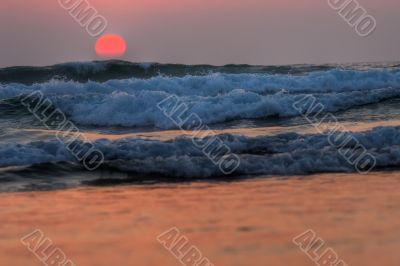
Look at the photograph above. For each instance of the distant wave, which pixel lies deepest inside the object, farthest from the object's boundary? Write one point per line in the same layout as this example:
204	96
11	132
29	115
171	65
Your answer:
287	154
215	97
101	71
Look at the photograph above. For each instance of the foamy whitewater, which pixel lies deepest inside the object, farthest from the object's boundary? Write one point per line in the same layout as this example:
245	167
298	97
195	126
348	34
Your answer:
114	98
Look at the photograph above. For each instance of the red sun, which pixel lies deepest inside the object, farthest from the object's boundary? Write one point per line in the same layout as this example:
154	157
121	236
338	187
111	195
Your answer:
110	45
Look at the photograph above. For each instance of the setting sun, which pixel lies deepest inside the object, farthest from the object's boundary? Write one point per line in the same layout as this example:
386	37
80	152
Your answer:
110	45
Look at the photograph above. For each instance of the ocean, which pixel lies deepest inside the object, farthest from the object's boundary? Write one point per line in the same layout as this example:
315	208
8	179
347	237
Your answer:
250	111
101	161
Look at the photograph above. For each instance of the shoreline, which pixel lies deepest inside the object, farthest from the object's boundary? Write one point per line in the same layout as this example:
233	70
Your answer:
238	223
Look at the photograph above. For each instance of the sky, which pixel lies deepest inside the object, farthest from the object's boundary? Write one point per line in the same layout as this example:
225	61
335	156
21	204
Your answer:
263	32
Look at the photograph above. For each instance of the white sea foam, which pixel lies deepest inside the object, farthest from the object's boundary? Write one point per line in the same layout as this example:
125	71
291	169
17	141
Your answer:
215	97
286	154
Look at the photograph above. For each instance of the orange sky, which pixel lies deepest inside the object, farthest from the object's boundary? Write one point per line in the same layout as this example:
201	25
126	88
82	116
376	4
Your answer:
40	32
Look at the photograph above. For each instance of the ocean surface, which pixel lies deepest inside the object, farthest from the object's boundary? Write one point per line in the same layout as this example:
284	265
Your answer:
250	109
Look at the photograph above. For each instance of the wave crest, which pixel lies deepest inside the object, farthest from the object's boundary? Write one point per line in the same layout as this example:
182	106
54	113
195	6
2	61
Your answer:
214	98
286	154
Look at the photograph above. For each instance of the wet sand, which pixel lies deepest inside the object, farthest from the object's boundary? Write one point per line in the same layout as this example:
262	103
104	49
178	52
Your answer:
248	222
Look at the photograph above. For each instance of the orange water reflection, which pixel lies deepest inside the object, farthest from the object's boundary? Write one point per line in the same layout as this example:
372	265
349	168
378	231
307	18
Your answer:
250	132
244	223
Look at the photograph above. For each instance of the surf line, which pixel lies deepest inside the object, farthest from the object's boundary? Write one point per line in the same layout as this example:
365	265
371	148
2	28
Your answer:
211	145
338	137
76	143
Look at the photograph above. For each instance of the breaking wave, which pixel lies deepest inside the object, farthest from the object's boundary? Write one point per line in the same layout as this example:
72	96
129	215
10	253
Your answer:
215	98
286	154
101	71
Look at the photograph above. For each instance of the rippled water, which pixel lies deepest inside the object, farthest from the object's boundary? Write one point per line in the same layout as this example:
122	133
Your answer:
249	108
